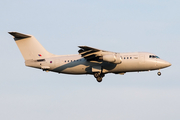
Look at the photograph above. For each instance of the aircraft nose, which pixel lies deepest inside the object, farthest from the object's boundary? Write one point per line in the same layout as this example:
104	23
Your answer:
168	64
163	64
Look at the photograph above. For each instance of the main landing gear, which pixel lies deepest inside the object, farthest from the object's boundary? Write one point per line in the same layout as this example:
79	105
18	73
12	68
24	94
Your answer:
99	76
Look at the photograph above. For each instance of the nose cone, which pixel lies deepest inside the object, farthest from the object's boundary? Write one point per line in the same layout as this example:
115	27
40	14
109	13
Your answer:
163	64
168	64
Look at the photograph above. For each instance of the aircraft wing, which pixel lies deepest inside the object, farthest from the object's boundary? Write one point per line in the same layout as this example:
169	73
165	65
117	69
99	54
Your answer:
90	53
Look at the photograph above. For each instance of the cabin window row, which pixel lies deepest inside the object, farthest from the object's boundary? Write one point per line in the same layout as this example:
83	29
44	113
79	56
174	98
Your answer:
127	57
72	60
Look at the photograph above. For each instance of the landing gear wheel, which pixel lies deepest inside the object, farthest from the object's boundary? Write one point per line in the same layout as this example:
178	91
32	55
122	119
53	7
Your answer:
99	76
159	73
99	79
96	75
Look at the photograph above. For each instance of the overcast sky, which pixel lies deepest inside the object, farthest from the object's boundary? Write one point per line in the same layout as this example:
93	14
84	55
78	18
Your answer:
116	25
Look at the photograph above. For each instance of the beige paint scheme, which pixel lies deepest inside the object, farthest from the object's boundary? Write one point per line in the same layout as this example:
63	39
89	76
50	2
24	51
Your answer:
35	55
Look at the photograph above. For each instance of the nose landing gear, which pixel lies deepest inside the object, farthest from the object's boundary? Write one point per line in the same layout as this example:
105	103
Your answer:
159	73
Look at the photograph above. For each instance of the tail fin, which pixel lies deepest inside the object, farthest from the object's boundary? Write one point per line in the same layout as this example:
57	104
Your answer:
30	48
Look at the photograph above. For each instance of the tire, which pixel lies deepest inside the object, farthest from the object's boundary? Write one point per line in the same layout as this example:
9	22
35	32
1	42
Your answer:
96	75
99	79
159	73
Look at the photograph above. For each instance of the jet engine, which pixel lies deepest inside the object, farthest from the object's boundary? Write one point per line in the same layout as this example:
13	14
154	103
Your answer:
112	58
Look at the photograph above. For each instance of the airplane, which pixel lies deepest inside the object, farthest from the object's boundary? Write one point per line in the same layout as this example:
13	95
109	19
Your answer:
90	60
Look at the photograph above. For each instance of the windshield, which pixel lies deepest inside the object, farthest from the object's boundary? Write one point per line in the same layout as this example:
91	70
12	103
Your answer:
153	56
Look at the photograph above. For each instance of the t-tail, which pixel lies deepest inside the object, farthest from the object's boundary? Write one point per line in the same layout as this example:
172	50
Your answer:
30	48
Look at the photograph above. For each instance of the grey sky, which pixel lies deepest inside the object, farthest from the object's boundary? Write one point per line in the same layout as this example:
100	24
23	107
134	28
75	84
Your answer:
116	25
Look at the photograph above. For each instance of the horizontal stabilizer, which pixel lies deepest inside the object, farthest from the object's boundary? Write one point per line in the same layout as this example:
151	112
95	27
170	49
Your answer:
19	35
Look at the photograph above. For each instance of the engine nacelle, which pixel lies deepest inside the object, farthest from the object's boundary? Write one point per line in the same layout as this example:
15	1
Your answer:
109	58
112	58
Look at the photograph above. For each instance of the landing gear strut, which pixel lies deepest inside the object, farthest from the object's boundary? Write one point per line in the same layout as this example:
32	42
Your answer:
159	73
99	76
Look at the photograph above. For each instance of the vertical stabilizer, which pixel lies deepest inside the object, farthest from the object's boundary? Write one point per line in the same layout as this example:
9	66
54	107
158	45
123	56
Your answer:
29	46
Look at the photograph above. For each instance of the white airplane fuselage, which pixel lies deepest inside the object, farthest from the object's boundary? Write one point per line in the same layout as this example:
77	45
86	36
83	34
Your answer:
75	64
88	61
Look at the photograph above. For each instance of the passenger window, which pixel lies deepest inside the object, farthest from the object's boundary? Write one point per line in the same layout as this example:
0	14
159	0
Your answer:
127	57
65	61
124	57
130	57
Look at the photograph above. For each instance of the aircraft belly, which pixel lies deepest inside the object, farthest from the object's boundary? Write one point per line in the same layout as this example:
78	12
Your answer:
72	68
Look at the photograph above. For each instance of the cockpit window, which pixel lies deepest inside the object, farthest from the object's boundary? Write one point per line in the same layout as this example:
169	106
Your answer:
153	56
157	57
